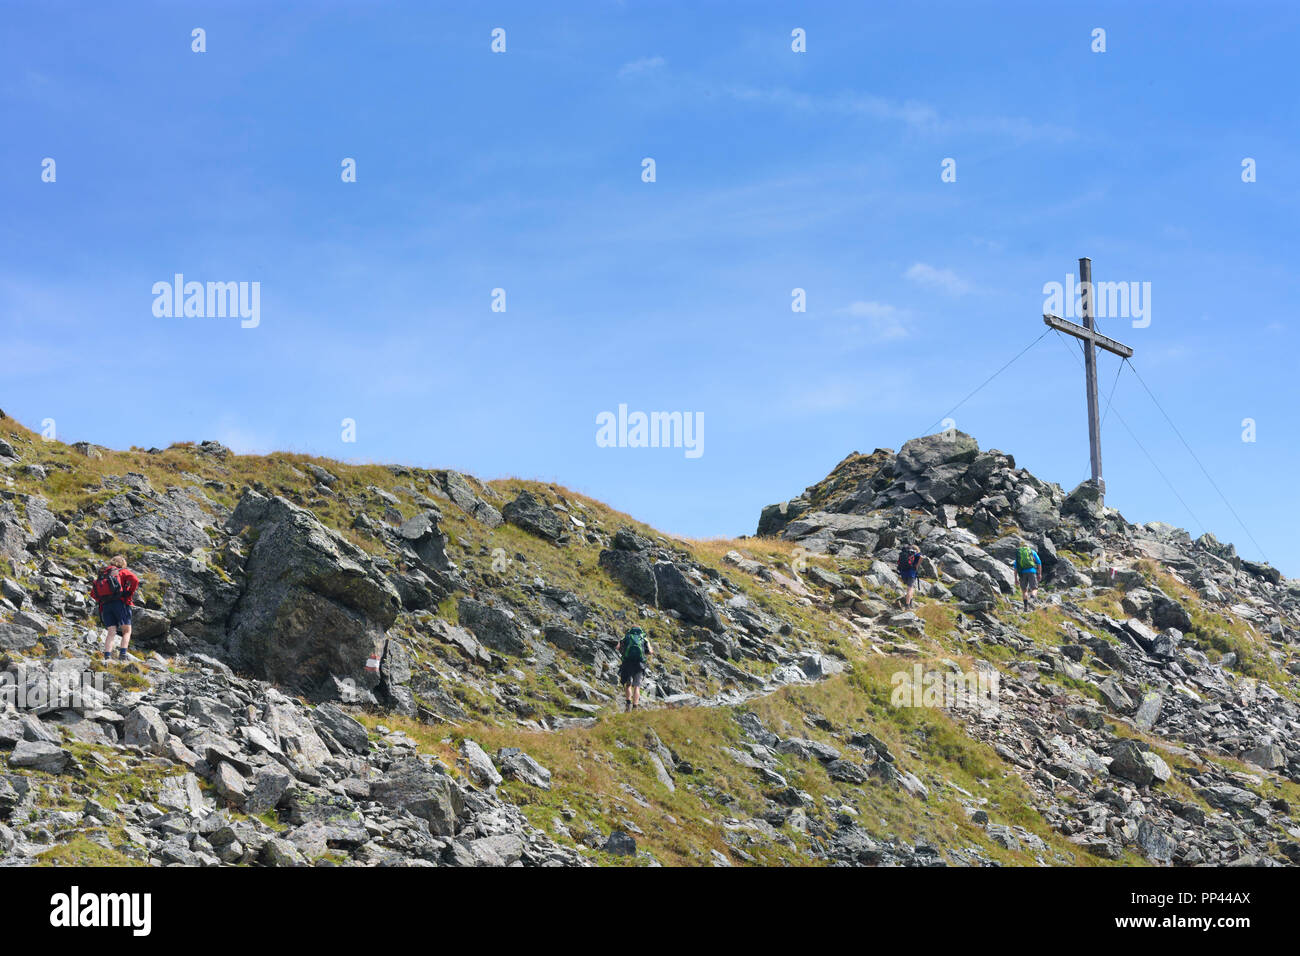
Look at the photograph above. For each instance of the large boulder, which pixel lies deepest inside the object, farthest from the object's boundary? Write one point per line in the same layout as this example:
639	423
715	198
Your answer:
531	514
1134	761
43	522
39	755
678	593
1038	515
633	570
1167	612
942	448
173	521
492	626
314	606
198	597
457	487
424	789
1084	502
517	765
13	535
16	637
774	518
423	536
145	728
479	765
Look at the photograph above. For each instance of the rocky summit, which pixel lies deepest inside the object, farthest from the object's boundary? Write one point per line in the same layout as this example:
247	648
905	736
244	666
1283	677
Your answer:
1143	710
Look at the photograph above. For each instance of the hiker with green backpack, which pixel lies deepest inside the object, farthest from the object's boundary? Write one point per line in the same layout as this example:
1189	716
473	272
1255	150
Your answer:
634	652
1029	569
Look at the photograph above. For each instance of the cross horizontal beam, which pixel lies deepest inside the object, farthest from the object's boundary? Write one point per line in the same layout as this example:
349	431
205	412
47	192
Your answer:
1088	335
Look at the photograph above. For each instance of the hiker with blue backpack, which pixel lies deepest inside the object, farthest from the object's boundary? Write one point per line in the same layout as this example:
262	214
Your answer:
634	653
1029	570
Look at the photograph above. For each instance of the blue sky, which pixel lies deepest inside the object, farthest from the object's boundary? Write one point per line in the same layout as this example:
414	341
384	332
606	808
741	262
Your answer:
775	170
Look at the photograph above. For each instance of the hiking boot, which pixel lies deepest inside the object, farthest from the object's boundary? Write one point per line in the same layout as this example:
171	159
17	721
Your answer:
627	705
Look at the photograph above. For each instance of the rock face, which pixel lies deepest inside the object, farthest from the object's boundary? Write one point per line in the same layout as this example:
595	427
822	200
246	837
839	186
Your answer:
656	576
531	514
425	790
459	489
1147	704
426	539
314	606
492	626
677	593
634	572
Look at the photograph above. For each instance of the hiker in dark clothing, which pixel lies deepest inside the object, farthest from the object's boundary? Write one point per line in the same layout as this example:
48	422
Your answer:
634	652
114	590
909	569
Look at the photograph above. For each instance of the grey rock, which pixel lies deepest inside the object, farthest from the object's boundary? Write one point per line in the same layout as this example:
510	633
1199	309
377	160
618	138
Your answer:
632	570
314	607
181	793
1148	711
349	732
145	728
269	787
481	769
932	451
517	765
230	783
1084	502
620	844
677	592
1129	761
424	789
39	755
492	626
1155	843
424	536
532	514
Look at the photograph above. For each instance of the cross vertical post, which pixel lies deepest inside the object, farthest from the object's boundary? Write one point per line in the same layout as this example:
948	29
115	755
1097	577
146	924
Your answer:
1092	340
1090	372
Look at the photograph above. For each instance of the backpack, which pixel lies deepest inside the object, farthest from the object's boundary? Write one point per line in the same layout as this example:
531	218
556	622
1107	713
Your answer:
634	646
107	587
1025	560
907	562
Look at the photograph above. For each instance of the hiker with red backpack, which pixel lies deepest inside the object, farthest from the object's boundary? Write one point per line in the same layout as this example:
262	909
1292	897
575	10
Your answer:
909	569
634	652
113	591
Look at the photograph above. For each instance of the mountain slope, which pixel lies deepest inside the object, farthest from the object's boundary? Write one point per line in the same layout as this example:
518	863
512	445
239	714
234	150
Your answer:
779	726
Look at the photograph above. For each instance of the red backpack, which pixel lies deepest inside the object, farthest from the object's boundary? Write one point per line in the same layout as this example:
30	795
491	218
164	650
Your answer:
107	587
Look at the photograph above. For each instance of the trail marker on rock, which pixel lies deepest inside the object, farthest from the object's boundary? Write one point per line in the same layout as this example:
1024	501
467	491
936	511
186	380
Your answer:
1092	340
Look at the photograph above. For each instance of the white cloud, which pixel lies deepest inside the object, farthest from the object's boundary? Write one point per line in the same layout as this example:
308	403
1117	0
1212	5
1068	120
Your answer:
917	115
643	65
879	392
943	279
881	322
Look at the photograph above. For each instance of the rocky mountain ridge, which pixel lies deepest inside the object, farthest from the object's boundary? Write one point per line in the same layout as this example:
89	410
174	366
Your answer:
1145	712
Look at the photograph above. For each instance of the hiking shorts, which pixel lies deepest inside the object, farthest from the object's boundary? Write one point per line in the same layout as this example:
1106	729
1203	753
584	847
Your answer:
115	614
1029	580
631	675
909	577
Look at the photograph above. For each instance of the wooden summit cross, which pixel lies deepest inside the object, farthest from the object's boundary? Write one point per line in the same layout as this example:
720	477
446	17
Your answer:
1092	340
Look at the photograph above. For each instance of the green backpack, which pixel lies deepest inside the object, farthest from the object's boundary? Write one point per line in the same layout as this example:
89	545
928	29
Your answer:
1025	560
634	646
